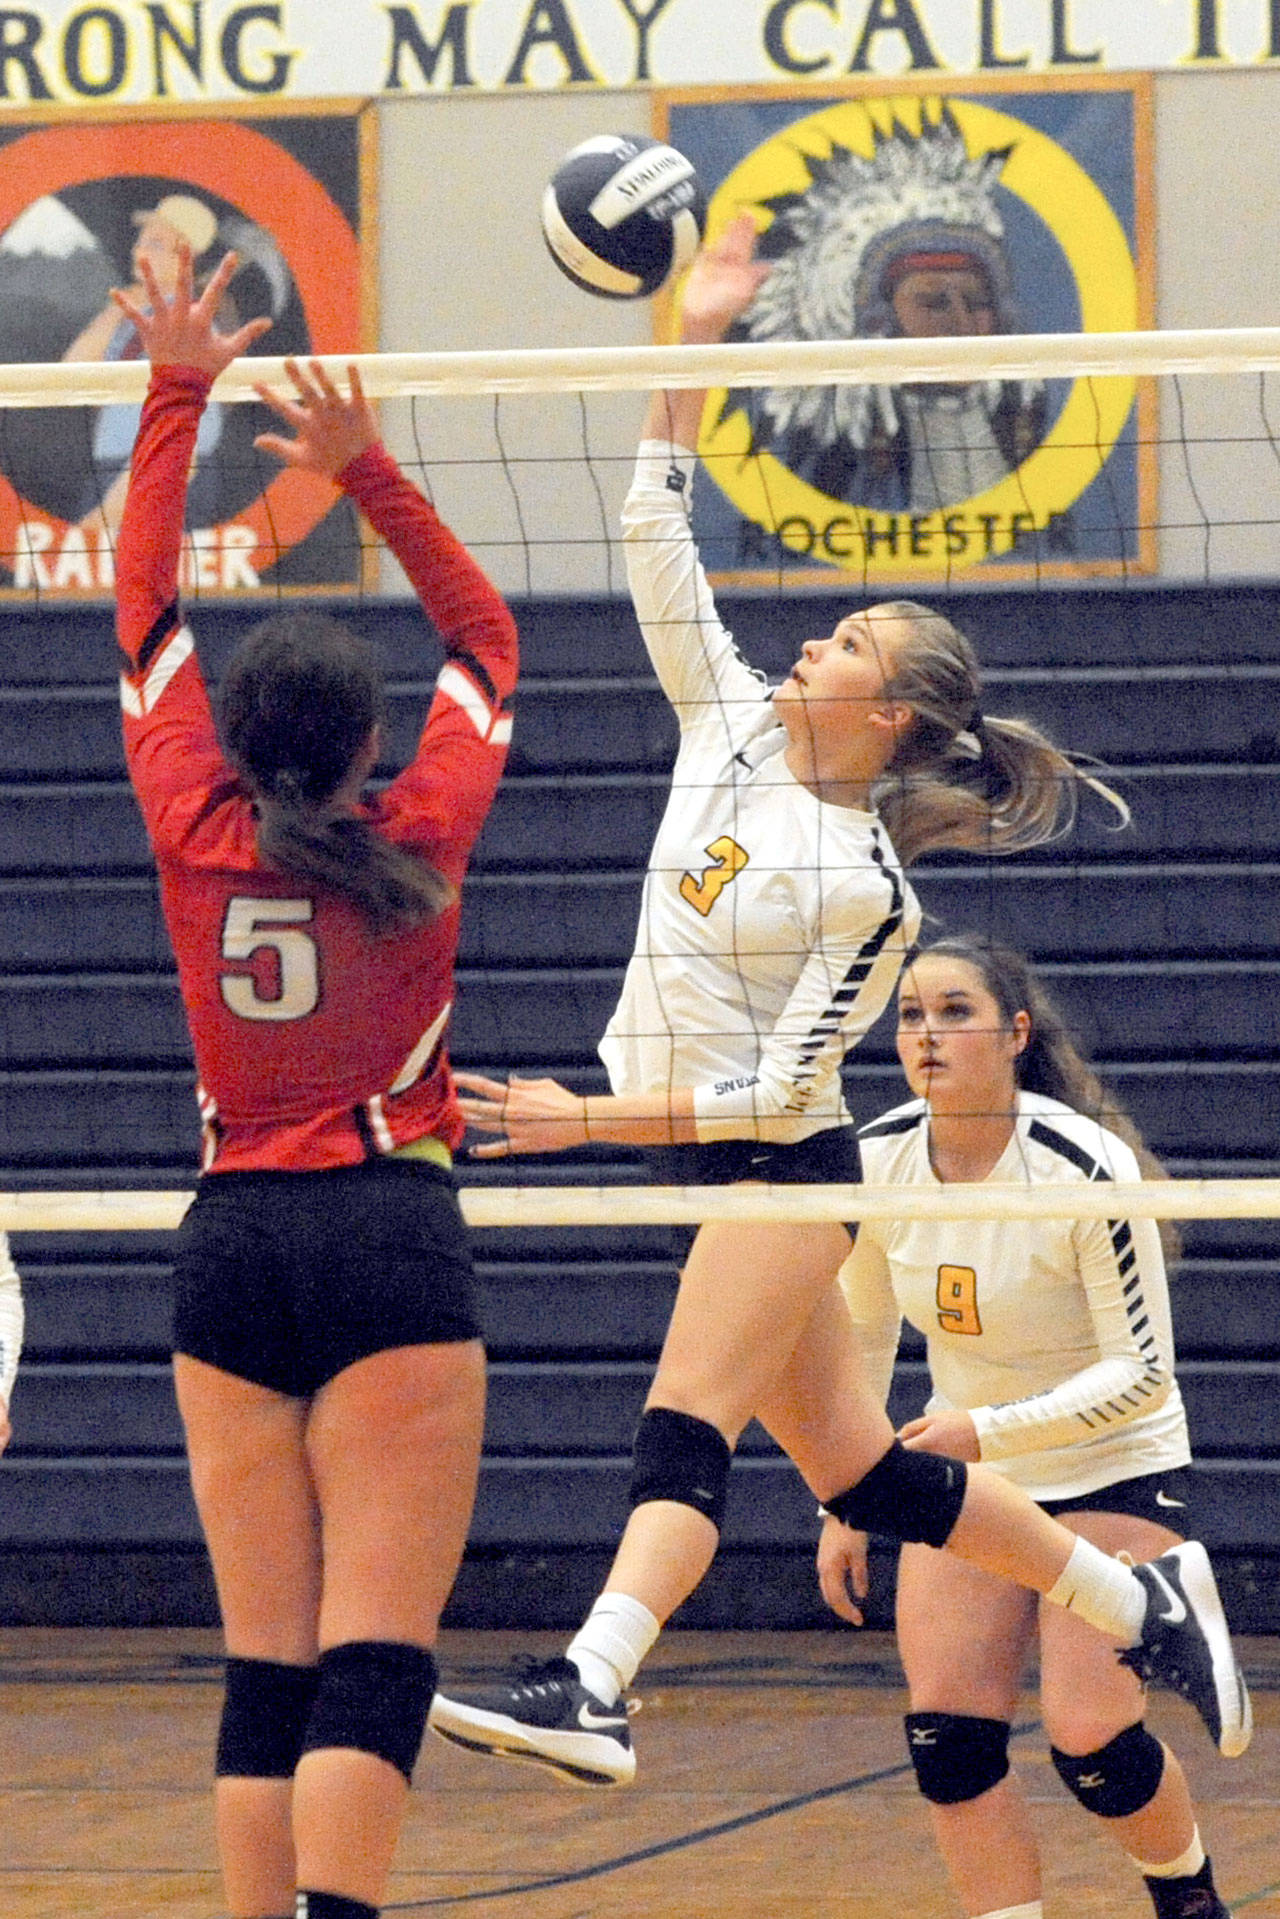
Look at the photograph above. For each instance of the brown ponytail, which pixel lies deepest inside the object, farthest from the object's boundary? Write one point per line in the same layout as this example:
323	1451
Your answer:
301	697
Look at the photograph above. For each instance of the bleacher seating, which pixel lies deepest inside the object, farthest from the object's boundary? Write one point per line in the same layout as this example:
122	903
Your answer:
1162	942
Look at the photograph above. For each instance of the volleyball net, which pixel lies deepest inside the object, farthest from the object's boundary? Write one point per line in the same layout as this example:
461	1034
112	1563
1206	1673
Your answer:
1112	561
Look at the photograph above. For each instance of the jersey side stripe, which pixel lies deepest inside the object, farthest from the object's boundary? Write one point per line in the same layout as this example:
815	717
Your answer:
1126	1257
421	1053
847	991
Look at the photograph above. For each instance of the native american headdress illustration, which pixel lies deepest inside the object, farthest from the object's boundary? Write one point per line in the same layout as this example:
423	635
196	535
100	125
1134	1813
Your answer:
834	246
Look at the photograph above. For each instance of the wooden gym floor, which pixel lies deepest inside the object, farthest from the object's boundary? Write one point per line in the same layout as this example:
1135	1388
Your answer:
772	1785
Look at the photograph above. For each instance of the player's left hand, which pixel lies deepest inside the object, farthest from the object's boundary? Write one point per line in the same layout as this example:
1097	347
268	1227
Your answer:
330	429
952	1433
534	1115
178	329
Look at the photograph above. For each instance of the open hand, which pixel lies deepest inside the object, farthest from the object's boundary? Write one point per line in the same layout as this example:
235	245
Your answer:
330	429
722	282
533	1115
178	329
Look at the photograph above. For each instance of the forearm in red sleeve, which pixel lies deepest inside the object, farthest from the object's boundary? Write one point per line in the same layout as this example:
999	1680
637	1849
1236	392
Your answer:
150	542
465	607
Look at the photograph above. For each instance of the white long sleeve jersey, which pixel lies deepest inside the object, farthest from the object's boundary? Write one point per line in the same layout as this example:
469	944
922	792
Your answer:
773	924
1055	1333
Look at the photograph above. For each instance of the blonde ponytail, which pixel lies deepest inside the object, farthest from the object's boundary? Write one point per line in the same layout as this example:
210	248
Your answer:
958	777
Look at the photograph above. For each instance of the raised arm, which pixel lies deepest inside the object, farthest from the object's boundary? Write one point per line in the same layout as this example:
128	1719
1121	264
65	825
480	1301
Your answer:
187	353
694	657
720	285
337	435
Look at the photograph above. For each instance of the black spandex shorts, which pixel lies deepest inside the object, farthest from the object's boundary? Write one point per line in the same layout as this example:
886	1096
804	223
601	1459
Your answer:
1167	1499
287	1278
829	1158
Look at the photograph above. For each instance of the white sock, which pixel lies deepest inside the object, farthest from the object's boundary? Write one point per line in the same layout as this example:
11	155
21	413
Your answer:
1102	1591
1185	1866
1032	1910
615	1636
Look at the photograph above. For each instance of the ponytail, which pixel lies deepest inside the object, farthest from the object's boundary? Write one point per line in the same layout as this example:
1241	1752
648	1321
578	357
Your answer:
300	700
392	888
960	778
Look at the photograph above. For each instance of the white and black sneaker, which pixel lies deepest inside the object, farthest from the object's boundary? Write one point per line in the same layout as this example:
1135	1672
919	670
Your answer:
547	1715
1186	1645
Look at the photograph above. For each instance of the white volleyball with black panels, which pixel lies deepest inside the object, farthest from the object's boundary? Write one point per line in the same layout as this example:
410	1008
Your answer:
623	214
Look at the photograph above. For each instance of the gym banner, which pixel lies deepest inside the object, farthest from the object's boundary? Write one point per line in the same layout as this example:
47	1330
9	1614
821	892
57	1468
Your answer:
73	54
895	213
79	207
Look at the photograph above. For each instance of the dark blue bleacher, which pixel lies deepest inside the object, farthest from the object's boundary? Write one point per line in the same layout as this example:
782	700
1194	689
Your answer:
1161	942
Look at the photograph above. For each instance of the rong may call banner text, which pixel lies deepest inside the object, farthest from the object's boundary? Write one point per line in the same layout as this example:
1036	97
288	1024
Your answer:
67	52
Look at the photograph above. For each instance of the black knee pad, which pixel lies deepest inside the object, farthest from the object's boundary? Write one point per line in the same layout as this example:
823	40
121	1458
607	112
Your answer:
264	1717
373	1696
906	1495
1121	1777
679	1457
956	1756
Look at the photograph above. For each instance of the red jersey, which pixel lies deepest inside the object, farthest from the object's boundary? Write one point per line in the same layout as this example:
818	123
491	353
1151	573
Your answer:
317	1043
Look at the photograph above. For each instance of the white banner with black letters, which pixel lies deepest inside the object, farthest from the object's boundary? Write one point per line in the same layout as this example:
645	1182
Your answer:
68	53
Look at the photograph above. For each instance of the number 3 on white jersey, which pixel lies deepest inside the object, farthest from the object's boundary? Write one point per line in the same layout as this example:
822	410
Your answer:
251	925
728	861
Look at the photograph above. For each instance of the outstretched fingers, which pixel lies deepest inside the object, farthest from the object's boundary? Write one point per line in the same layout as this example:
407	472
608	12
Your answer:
180	328
486	1109
330	428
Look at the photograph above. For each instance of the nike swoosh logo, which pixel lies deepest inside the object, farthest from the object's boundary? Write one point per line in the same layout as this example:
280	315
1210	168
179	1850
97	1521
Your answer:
1163	1499
1175	1612
592	1721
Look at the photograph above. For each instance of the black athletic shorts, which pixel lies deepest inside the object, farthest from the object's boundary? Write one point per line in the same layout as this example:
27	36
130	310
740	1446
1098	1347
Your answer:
287	1278
1167	1499
828	1158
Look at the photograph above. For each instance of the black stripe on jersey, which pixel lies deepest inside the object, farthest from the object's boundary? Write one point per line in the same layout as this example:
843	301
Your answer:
847	991
478	671
1126	1257
157	633
1059	1143
882	1128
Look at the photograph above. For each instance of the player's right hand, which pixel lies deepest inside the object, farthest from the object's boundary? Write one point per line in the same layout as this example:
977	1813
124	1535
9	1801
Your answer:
842	1569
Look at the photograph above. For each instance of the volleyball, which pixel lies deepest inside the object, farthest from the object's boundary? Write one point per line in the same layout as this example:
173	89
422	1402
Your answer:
622	214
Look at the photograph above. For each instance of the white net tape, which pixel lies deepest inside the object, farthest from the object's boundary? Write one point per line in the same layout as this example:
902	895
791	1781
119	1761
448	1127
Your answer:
537	1206
1010	356
734	365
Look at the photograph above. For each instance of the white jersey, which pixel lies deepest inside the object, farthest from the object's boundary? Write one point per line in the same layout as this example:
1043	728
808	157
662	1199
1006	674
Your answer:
11	1322
773	924
1054	1333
